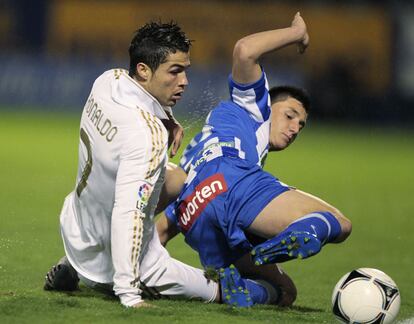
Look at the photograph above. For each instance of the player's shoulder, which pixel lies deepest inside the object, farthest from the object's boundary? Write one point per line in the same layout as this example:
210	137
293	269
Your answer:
253	97
228	112
261	82
112	74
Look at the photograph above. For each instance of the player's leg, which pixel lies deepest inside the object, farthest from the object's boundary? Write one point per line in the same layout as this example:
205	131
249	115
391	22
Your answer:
266	284
297	224
290	206
172	278
174	181
161	275
237	291
63	277
278	287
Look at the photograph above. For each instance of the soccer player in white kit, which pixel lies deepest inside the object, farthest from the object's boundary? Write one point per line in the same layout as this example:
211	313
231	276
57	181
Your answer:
107	222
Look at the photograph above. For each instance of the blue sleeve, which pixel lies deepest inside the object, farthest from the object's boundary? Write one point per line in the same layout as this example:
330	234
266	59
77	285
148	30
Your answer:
193	147
253	97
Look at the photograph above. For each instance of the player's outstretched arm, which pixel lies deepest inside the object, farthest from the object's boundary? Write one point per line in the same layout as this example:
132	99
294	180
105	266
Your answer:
249	49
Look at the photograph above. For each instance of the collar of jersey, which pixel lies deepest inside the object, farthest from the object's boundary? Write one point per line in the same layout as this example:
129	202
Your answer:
127	92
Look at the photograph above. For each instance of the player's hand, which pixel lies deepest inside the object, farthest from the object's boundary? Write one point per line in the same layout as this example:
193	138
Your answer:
303	45
142	305
299	24
175	135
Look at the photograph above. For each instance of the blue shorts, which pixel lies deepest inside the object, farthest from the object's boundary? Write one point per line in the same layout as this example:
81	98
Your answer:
215	208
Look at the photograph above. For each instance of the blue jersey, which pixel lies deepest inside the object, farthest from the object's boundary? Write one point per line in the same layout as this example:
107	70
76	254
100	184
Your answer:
240	125
226	187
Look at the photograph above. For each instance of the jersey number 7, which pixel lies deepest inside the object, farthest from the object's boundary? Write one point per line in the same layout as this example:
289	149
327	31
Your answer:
88	166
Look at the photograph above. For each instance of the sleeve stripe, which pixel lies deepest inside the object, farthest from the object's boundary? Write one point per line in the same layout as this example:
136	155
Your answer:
157	148
150	126
156	158
136	246
253	97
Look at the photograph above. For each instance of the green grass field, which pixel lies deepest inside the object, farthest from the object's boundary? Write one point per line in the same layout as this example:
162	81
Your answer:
366	172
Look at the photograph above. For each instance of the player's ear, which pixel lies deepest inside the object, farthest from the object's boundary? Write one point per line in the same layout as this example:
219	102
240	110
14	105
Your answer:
143	71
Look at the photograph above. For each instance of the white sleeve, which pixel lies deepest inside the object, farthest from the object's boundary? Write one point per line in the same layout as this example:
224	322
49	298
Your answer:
139	169
253	97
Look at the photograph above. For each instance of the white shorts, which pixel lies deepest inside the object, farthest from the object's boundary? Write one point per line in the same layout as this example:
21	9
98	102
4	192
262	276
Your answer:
161	275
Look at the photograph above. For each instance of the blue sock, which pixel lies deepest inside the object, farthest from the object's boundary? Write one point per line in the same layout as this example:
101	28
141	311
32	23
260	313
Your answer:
258	293
322	224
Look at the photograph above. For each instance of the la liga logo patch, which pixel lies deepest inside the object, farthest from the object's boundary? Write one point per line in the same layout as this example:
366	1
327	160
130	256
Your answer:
144	193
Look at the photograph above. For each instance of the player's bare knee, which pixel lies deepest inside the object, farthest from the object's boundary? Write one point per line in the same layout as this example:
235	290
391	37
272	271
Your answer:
346	226
289	294
346	229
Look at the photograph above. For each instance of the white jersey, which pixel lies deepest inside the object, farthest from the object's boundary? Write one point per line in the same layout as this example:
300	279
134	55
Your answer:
107	221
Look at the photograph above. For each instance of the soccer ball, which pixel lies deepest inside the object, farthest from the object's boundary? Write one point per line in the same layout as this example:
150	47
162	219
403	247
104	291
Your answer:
366	295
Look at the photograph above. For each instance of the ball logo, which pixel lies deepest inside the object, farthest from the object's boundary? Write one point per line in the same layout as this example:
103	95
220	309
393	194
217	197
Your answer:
192	206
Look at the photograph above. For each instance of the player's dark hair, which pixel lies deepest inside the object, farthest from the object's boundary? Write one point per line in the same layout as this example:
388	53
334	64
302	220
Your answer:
282	93
153	42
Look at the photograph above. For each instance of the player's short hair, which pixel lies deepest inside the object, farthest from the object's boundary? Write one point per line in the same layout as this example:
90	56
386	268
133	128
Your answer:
281	93
153	42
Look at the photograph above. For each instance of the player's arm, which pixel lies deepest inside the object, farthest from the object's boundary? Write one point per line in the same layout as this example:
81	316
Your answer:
248	50
166	229
174	182
175	132
136	182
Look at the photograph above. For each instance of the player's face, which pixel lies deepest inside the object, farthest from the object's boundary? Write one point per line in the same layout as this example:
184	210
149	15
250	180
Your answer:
288	119
168	81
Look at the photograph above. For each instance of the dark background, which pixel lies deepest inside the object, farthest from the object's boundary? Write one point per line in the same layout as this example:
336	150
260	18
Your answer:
359	66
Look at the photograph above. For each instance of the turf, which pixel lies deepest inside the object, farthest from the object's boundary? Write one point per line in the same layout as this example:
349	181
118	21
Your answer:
366	172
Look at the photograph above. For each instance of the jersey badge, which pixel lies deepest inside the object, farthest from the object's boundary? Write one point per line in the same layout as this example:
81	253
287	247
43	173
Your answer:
144	193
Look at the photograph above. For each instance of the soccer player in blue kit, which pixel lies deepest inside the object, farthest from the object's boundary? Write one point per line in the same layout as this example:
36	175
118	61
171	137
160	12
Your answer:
233	212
